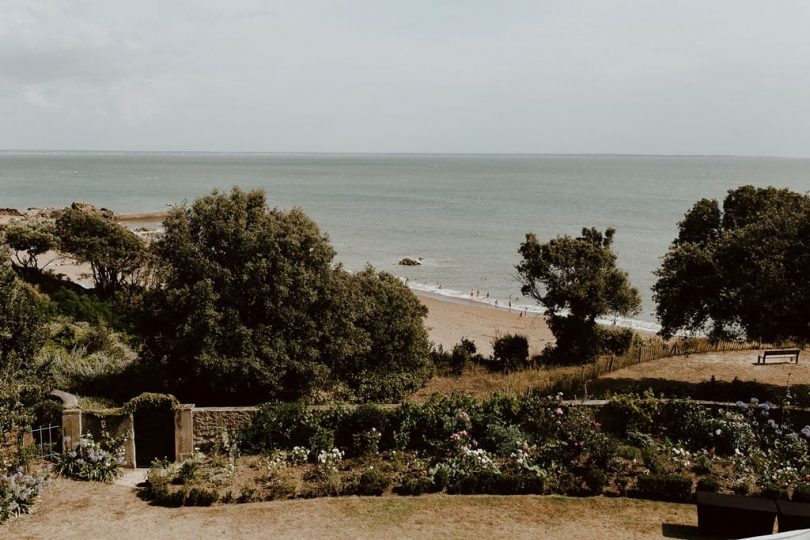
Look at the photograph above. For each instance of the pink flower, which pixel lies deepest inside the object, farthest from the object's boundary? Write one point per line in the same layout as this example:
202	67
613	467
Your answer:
454	437
463	433
558	410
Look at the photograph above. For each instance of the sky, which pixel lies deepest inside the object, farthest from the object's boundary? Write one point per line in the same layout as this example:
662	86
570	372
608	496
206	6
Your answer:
453	76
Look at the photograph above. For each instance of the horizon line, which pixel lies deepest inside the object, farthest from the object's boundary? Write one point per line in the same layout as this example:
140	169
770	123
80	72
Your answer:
314	153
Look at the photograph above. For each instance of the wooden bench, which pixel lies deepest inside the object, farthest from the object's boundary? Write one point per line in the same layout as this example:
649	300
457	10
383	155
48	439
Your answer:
790	353
793	516
734	516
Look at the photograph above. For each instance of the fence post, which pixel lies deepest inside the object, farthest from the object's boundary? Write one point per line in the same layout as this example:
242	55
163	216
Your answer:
183	432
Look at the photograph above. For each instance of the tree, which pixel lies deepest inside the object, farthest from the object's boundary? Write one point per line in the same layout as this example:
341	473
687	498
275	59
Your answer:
576	280
116	255
249	307
30	239
739	272
21	336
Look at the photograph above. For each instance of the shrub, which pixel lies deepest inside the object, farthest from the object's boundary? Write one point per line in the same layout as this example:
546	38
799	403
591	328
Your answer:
633	412
367	442
662	487
510	352
615	341
18	491
708	483
280	425
416	486
200	497
503	440
595	479
372	482
91	460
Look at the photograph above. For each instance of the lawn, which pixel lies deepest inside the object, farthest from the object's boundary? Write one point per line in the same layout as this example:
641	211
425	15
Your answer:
71	509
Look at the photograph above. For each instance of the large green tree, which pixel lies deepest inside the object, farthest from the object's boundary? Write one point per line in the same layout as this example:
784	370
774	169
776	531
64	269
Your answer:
116	255
21	337
28	240
250	307
742	271
577	281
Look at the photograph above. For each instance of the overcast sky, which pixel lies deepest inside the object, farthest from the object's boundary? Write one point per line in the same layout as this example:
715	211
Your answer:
568	76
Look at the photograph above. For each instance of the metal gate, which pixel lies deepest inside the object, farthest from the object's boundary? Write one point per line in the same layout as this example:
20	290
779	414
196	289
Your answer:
47	441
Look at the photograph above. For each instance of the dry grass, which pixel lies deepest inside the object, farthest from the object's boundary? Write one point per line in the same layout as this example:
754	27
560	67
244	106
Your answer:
86	510
479	382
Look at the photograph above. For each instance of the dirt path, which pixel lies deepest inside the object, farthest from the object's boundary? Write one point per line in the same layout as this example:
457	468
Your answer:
71	509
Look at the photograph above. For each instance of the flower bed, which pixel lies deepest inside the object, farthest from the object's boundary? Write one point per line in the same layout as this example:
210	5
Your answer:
505	445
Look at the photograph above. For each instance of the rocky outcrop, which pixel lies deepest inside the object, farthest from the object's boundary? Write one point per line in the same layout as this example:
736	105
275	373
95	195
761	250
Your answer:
13	212
89	208
407	261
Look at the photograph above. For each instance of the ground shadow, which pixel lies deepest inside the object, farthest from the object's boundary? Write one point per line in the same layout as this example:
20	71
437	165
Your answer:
674	530
709	390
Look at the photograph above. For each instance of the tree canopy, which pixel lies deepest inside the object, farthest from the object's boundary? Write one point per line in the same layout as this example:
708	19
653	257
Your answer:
116	255
576	280
250	308
28	240
742	271
21	336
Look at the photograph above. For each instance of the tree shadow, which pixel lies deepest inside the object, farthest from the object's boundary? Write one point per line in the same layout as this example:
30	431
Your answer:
709	390
674	530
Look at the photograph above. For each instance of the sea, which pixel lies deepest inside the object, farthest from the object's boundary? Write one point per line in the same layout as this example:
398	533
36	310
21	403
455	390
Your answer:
462	216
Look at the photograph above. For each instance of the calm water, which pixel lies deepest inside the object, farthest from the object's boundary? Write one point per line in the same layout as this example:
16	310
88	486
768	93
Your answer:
464	215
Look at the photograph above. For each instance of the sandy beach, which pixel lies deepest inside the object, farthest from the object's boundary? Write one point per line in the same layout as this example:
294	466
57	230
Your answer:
451	319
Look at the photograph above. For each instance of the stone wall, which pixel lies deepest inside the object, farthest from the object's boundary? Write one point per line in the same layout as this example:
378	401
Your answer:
209	422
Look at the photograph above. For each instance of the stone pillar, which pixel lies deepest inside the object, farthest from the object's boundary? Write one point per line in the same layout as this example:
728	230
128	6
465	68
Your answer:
183	432
71	428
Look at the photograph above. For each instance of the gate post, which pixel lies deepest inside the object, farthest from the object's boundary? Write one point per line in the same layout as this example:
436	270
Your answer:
183	432
71	428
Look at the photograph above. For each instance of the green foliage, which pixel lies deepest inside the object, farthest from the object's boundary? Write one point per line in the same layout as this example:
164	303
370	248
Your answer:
18	492
373	482
98	461
510	352
595	479
576	280
634	412
739	272
708	483
150	400
615	341
250	308
22	333
416	485
664	487
117	256
29	240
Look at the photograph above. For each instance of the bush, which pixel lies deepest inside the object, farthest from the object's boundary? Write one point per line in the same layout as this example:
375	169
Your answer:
615	341
510	352
775	493
708	483
372	482
416	486
633	412
200	497
91	460
662	487
595	479
18	491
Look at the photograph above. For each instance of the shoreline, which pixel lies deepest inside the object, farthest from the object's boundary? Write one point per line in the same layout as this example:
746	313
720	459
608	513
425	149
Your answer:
450	319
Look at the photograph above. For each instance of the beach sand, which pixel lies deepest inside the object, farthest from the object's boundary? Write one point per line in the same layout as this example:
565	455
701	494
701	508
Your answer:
451	319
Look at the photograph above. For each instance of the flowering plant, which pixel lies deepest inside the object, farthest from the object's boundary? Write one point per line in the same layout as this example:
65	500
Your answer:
92	460
330	459
18	491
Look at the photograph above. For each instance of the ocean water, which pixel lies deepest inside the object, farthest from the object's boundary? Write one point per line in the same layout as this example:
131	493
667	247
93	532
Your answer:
464	215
